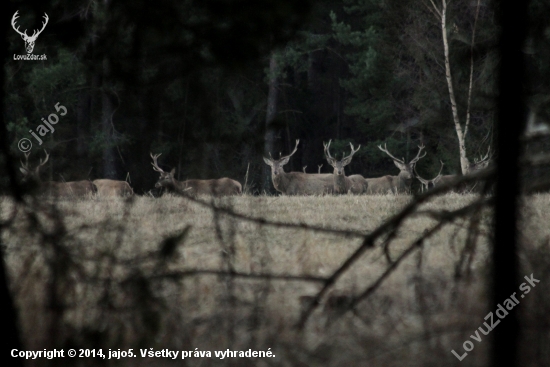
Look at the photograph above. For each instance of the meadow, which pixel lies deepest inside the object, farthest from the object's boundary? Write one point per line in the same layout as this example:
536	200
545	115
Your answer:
171	273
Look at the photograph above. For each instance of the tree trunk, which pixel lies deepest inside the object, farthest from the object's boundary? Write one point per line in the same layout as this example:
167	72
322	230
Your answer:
269	138
464	162
506	277
146	132
107	111
10	321
82	122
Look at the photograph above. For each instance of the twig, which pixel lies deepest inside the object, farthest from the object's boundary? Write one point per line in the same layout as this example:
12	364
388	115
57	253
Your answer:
391	225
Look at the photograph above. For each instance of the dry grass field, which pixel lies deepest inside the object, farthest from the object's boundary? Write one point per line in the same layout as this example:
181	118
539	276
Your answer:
153	273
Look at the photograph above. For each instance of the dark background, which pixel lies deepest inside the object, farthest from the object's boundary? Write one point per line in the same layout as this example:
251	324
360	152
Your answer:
214	85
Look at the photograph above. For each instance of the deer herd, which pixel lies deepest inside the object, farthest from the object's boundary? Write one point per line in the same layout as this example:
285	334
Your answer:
287	183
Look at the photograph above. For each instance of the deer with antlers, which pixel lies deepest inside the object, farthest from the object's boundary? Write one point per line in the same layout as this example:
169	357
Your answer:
395	184
52	188
298	183
113	188
216	187
343	184
29	40
479	164
430	184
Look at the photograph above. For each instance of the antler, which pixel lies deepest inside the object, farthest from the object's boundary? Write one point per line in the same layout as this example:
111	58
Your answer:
271	159
155	164
43	26
327	153
35	34
319	170
37	169
13	19
294	151
426	182
485	157
385	150
26	164
418	157
422	180
441	169
45	160
347	160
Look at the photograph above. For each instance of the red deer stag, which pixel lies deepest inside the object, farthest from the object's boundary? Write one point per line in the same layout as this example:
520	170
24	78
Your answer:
481	163
52	188
106	188
218	187
298	183
478	165
395	184
436	181
343	184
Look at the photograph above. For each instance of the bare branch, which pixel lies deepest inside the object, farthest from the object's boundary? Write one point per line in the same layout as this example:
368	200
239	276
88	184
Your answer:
390	225
418	243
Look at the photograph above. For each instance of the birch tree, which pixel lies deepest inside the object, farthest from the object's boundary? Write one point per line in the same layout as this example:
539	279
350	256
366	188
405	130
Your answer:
440	13
269	137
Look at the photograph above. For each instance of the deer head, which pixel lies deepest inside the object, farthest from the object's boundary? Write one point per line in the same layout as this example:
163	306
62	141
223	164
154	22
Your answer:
29	40
429	184
407	169
277	164
339	165
166	178
30	174
480	163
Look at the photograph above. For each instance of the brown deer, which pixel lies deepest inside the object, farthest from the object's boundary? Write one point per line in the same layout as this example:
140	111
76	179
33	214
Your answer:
343	184
52	188
298	183
106	188
217	187
395	184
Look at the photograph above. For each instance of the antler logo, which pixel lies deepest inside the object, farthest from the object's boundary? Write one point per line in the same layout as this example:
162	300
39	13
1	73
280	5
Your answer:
29	40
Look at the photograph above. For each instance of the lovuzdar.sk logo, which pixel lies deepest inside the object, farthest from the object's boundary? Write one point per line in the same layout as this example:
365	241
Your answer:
29	40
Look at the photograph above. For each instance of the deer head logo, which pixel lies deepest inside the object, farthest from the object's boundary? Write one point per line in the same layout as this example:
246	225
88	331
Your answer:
29	40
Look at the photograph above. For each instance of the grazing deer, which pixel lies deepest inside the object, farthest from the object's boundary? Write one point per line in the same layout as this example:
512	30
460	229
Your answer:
298	183
106	187
343	184
217	187
395	184
52	188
